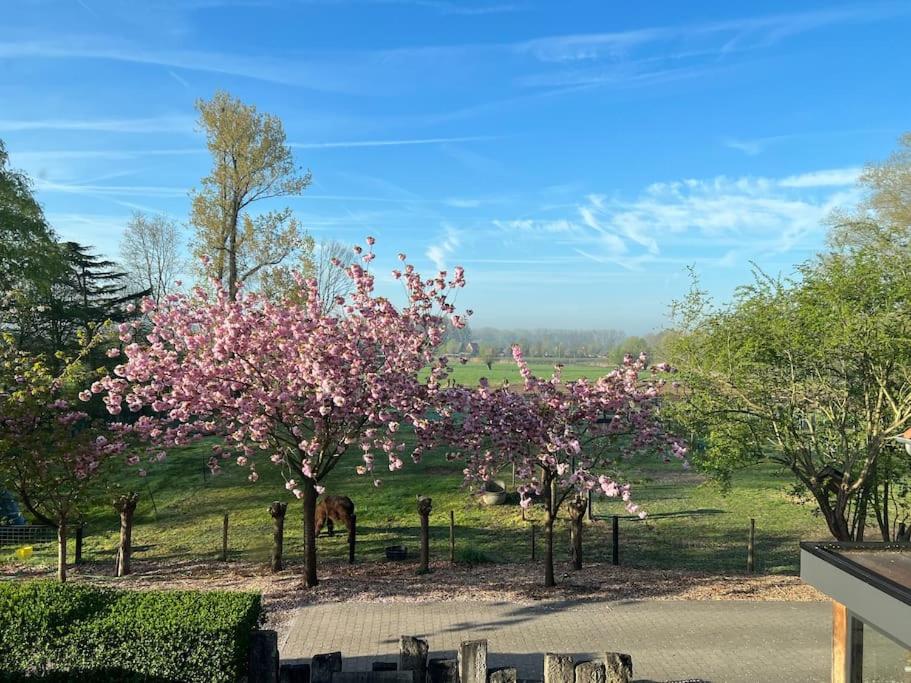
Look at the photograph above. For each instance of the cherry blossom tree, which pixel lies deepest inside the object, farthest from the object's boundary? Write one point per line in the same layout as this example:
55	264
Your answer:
301	384
52	456
565	439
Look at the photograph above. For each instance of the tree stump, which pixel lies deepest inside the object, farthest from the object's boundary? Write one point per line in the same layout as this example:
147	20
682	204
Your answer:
425	505
577	507
126	507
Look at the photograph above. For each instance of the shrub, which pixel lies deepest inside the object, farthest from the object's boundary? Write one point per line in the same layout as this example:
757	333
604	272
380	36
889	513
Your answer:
472	556
52	631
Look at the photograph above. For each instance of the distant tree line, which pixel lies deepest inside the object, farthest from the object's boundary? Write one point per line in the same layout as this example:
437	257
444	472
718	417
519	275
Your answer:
491	343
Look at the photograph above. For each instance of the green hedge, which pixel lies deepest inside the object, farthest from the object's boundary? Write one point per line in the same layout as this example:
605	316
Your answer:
69	632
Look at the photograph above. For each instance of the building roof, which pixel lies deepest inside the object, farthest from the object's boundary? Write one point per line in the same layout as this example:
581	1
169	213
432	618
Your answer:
873	580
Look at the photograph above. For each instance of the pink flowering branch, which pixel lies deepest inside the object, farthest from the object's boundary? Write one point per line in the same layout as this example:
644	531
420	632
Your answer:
565	439
287	381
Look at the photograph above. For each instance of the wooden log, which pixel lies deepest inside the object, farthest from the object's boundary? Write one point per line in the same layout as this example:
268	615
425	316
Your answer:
324	665
413	656
472	659
558	668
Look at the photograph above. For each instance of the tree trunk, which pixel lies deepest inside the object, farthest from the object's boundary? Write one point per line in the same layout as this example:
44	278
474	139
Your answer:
861	515
550	502
886	531
424	507
61	551
835	518
232	257
125	506
309	489
278	510
549	580
577	513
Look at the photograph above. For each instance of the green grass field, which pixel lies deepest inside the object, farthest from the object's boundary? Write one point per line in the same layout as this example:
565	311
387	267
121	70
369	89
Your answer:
691	524
506	369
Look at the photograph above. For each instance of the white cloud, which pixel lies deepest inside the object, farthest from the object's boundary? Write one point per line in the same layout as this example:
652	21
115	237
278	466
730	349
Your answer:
441	251
160	124
642	56
750	216
180	79
749	147
28	158
387	143
527	225
833	177
109	190
462	203
720	37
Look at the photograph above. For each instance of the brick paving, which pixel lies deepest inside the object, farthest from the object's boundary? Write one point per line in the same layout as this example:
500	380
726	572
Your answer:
713	640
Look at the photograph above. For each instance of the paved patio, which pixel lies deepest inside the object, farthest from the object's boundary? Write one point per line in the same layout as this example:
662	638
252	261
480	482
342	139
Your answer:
713	640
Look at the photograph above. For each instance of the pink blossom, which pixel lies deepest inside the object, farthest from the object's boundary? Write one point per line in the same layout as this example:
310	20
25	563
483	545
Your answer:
253	372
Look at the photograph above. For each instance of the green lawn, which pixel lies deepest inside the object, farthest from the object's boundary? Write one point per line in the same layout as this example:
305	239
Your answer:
692	525
506	369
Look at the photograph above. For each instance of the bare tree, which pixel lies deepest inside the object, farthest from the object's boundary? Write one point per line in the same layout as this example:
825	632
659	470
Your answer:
149	253
330	258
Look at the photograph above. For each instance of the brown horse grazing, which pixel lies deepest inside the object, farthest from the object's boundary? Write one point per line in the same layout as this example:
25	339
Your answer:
338	508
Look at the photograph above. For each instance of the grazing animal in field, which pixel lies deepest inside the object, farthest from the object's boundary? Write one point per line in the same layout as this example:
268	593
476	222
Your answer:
334	509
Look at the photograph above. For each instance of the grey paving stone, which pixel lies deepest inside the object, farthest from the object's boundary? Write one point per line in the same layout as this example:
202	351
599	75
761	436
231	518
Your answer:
718	641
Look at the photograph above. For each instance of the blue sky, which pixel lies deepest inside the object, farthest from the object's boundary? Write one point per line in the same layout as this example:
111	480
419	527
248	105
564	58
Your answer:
574	157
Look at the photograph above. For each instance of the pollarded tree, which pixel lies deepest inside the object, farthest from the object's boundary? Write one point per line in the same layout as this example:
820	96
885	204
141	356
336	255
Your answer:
291	380
565	439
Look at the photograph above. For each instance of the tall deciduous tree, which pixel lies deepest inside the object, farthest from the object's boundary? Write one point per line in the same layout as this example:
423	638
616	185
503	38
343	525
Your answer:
150	253
251	163
287	379
882	220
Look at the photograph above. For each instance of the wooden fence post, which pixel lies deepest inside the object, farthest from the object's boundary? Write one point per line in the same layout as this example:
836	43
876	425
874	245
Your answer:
425	507
80	530
224	539
451	536
615	542
352	538
750	545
